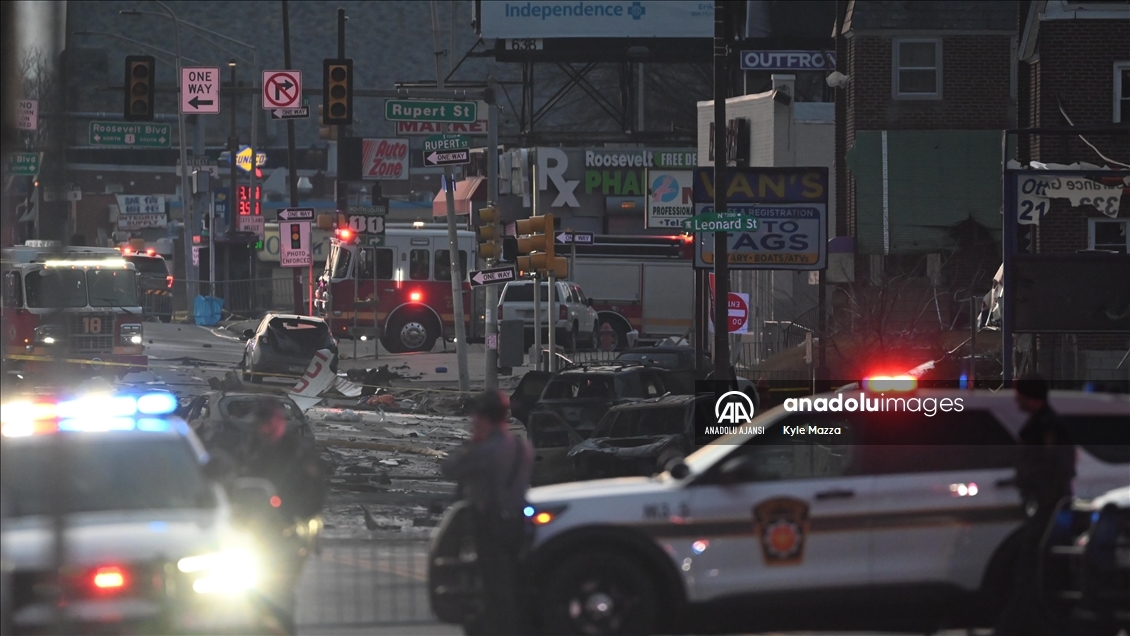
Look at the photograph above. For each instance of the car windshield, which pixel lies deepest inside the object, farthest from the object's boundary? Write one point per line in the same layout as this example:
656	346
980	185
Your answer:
525	293
339	262
56	288
593	387
300	336
665	360
241	410
112	287
149	265
105	472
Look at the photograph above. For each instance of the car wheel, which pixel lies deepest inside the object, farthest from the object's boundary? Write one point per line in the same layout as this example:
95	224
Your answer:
598	592
594	338
413	332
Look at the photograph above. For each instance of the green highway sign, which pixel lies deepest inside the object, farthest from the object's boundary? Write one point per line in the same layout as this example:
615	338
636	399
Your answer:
368	210
125	134
446	142
24	164
727	222
432	111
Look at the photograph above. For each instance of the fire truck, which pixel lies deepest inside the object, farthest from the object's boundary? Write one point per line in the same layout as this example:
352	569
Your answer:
74	303
395	286
640	283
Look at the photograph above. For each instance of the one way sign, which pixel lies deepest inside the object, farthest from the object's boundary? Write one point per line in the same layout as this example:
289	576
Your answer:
200	90
574	238
493	276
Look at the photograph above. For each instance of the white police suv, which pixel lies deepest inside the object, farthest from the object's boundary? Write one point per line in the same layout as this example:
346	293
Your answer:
866	519
148	544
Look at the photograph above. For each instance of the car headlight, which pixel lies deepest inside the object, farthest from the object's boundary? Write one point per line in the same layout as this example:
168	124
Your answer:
229	571
131	334
47	334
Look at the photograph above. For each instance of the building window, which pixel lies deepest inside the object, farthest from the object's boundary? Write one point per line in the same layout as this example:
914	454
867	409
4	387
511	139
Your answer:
1121	92
917	68
1110	235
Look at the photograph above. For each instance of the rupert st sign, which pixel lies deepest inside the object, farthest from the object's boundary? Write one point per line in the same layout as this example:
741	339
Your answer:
791	209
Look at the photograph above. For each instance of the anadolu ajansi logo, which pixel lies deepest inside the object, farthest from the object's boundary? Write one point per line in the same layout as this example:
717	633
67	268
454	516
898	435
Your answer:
733	407
636	11
664	189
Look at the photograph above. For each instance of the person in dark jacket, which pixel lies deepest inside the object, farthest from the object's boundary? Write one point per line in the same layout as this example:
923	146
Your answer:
1045	466
493	470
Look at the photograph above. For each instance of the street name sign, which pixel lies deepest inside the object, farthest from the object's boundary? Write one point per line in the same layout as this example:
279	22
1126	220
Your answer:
24	164
492	276
282	89
28	115
573	238
200	90
727	222
124	134
418	110
453	158
296	214
446	142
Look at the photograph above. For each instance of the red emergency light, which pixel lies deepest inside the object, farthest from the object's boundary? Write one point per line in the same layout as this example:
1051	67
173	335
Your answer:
415	296
109	579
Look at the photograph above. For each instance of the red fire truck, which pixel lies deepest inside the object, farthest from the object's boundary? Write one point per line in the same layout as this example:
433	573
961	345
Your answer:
396	286
75	303
641	283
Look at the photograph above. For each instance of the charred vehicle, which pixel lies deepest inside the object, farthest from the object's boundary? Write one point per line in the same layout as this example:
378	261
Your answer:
684	358
283	344
226	419
573	401
641	438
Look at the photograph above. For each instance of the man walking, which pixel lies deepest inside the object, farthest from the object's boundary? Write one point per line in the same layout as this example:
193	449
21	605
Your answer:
1044	469
493	470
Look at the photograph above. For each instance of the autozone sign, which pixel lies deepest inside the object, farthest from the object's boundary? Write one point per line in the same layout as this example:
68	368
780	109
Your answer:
384	159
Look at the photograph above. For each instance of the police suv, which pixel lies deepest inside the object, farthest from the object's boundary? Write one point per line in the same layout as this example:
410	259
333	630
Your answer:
902	517
148	540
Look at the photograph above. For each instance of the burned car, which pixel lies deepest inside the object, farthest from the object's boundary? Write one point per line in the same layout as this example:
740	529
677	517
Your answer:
683	358
284	344
574	400
641	438
227	419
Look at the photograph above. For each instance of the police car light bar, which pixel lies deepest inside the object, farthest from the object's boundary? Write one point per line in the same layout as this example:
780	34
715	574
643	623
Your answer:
119	263
884	383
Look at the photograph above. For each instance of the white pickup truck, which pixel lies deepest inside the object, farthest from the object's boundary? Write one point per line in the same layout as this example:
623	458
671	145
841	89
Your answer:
574	318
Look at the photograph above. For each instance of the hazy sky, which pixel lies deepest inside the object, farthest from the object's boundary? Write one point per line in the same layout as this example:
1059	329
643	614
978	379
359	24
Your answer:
34	18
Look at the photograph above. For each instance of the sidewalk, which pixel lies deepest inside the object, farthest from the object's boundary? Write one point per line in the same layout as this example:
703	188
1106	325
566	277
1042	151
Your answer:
428	629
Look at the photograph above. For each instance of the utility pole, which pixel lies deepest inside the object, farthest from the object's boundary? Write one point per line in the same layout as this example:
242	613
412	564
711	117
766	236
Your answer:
452	238
341	188
233	150
491	375
721	239
291	160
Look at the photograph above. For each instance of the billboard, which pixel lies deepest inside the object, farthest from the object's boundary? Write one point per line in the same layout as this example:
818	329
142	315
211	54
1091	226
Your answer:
604	19
792	206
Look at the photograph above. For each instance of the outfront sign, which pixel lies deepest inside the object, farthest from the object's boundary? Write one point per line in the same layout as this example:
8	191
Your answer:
788	60
791	209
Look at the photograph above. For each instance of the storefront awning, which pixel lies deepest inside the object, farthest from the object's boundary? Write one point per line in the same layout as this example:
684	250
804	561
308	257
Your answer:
467	190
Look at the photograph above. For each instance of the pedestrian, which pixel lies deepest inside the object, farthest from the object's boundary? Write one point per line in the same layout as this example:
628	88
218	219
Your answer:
493	470
1045	466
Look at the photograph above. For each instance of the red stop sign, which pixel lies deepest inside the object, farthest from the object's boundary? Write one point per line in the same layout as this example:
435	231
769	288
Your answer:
739	313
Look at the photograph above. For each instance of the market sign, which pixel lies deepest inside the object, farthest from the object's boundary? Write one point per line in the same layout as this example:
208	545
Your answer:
791	208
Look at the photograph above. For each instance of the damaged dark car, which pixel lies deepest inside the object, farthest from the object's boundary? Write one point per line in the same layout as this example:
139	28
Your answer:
571	403
640	439
284	344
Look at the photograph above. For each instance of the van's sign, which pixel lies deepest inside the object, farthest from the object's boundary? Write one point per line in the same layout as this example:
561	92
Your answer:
791	208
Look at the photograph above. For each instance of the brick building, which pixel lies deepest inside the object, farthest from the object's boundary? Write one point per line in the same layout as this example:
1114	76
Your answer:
1074	70
928	88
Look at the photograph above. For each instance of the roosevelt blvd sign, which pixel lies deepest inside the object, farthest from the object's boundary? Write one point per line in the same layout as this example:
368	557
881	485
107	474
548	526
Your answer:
492	276
111	133
727	222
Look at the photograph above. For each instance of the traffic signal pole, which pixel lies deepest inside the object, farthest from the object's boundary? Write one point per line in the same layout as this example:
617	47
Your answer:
491	375
721	239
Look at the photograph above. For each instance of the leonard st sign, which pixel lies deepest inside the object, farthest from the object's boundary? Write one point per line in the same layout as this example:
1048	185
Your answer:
791	208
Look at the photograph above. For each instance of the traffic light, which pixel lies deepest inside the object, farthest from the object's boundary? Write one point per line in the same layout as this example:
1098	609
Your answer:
337	92
535	242
295	237
325	132
139	87
489	233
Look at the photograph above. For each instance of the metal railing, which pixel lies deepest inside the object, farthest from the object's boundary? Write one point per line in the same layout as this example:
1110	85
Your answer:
245	298
358	582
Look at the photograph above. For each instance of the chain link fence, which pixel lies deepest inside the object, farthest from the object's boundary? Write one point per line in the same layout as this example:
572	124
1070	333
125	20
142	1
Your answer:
248	298
360	582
